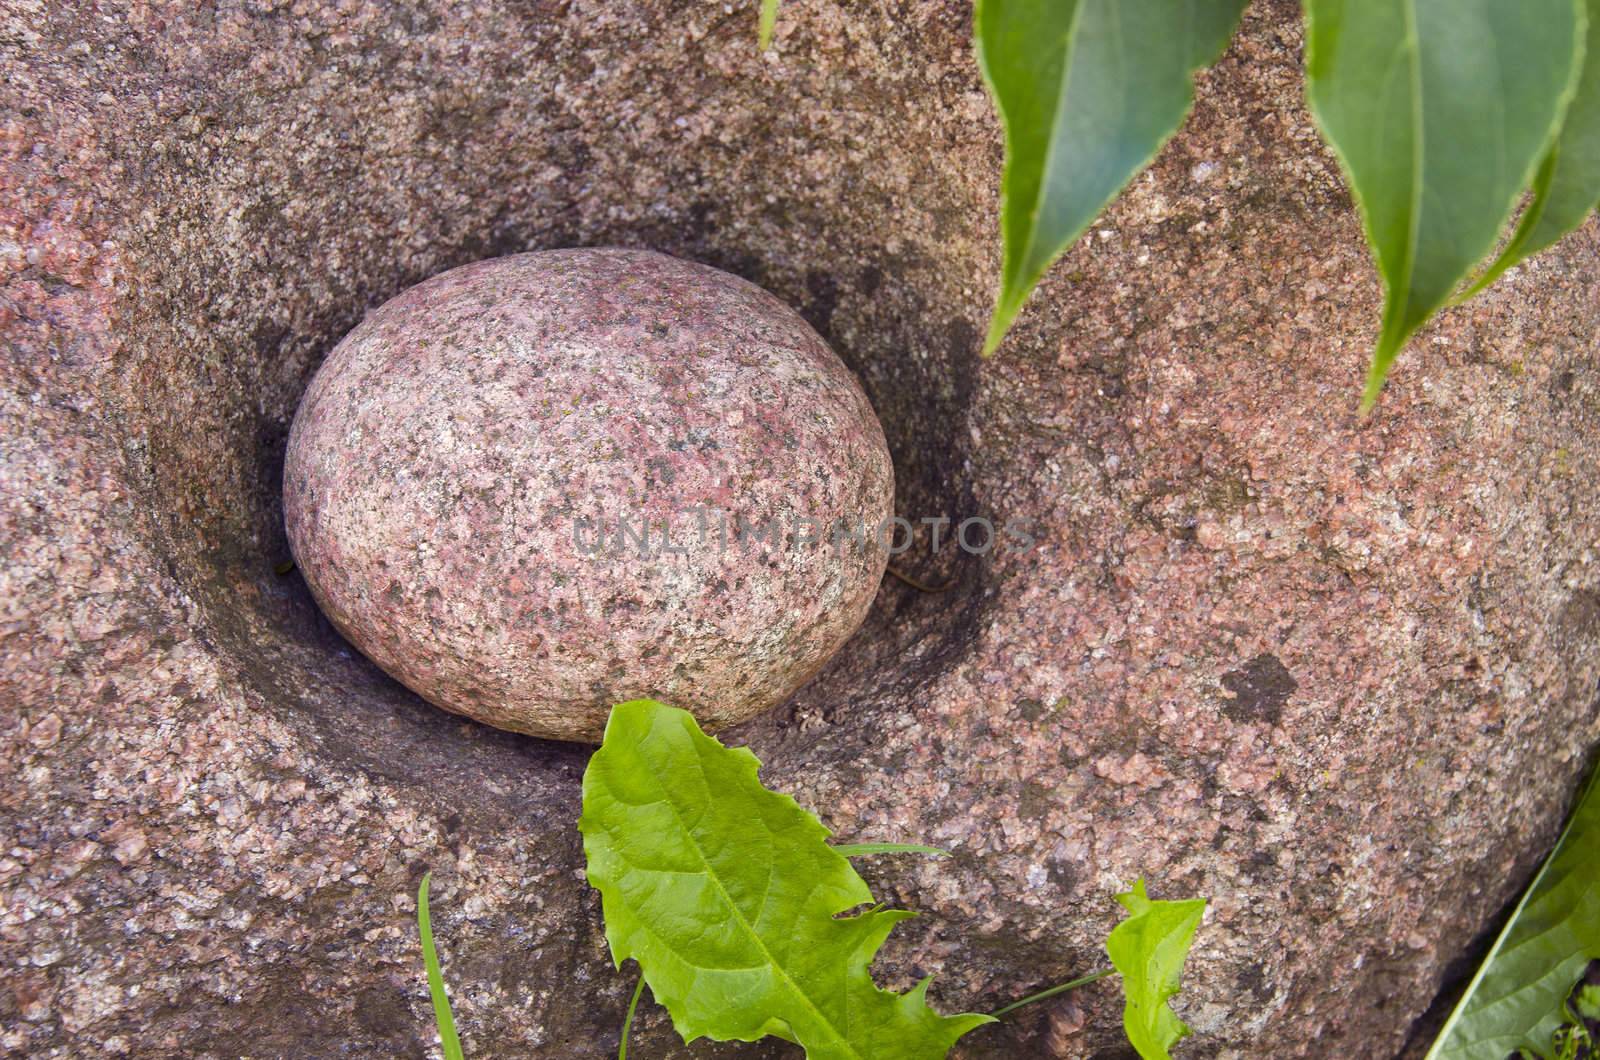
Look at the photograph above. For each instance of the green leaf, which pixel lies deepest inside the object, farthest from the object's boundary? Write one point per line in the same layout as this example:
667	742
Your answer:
430	960
729	897
1567	187
1517	997
1440	112
856	850
1149	949
1088	91
1589	1002
769	22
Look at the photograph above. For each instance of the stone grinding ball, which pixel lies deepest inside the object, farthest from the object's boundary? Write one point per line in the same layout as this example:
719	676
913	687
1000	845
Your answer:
533	487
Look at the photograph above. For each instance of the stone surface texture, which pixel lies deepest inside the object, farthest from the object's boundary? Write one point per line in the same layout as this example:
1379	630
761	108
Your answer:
1339	676
535	486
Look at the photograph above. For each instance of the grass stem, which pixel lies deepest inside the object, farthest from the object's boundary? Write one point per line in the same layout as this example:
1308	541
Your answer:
430	957
1053	991
627	1022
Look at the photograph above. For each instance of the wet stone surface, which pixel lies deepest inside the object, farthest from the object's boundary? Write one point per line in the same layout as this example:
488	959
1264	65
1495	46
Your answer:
535	486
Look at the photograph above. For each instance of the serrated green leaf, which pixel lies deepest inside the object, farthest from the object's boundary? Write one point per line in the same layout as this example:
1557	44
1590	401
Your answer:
1088	91
1440	112
1516	998
729	897
1148	949
1567	187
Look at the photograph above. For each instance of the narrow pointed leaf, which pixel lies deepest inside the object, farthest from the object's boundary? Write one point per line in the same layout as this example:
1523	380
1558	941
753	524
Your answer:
1088	91
1516	998
1567	187
1148	949
1441	112
449	1042
729	897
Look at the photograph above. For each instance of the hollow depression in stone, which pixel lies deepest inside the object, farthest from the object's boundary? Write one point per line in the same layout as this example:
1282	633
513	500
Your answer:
536	486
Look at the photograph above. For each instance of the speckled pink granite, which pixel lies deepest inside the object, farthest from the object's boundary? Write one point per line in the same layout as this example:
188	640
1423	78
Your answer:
216	812
532	487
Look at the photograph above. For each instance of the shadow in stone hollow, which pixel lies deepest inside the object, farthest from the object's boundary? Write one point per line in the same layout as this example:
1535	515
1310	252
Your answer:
211	420
256	258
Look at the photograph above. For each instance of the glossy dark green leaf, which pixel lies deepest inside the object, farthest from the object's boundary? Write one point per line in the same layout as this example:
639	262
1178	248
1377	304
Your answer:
1441	112
1088	91
1515	1000
1567	187
729	897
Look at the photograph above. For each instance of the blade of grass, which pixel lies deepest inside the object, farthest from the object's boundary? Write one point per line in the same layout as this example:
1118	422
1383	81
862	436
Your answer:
769	22
430	958
627	1021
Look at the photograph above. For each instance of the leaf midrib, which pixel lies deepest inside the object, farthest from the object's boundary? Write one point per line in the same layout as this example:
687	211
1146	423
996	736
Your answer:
1419	158
738	915
1069	50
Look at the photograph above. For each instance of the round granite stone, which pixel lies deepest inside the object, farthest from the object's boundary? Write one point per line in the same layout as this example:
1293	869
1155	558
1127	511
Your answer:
533	487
